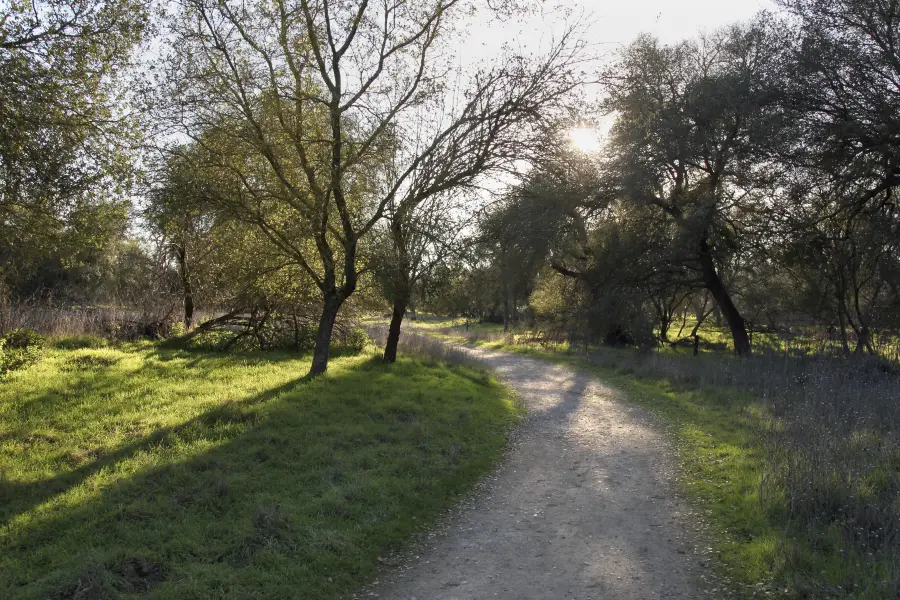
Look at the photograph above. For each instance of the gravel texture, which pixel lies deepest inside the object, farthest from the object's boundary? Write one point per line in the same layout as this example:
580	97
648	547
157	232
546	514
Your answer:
584	506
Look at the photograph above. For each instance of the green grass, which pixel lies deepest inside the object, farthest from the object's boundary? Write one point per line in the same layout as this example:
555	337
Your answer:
143	472
717	433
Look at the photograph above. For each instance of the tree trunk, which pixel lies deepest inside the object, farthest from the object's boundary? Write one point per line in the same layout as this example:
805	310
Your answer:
186	287
323	338
862	340
393	338
842	319
732	316
505	308
188	309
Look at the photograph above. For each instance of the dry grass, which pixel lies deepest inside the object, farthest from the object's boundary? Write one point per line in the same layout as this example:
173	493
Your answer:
65	322
418	344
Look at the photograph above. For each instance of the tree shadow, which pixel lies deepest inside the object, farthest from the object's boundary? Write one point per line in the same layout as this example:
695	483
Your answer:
291	492
17	498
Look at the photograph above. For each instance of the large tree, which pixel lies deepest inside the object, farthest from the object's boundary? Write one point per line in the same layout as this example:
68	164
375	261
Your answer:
845	96
693	126
327	113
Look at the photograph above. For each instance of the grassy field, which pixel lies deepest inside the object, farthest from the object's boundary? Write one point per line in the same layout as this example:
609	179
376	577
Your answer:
767	546
137	471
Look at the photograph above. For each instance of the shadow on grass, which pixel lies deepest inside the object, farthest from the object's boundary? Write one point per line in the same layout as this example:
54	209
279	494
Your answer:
17	498
292	492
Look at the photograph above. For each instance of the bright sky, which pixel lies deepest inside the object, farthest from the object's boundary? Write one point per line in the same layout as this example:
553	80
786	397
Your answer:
620	21
614	23
608	26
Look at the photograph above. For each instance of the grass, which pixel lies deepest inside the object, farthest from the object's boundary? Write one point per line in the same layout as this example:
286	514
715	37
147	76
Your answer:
721	464
136	471
792	460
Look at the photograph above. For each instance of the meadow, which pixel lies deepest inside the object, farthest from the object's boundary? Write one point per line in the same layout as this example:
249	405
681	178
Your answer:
135	470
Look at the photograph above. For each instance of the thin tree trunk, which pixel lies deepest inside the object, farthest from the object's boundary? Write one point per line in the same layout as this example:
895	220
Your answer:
862	341
186	287
188	309
393	338
723	299
845	343
323	338
505	308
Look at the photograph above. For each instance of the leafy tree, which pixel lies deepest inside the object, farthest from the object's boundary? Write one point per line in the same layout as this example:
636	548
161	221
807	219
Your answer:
417	239
328	113
187	227
693	123
62	134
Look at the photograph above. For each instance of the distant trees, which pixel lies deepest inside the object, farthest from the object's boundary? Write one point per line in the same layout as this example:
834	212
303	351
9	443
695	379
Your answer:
64	161
306	152
748	175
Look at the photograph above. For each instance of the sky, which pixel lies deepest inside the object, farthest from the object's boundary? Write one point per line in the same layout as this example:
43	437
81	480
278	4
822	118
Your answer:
610	24
618	22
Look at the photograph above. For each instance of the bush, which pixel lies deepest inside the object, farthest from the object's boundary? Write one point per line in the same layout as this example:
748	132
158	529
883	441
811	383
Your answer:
353	341
24	338
177	329
18	349
83	341
219	340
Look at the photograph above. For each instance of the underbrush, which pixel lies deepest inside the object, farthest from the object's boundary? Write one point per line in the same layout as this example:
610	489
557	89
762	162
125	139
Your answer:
19	349
136	470
346	339
796	455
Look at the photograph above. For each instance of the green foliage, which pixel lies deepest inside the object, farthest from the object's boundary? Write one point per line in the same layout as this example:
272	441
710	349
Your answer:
177	329
80	342
217	340
64	157
349	341
19	349
166	474
24	338
353	342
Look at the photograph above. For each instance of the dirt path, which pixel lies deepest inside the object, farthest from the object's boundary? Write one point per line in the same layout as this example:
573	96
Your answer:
584	506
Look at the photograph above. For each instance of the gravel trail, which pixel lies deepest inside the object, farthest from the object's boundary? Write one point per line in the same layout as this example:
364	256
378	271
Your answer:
584	506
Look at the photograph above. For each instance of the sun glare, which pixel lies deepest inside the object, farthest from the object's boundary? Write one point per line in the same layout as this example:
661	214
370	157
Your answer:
585	139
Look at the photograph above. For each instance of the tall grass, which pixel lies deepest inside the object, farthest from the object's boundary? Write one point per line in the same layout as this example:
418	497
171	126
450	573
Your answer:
418	344
68	321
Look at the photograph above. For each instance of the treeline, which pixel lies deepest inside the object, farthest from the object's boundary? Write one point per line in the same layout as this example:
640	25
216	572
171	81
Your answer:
277	166
268	164
748	176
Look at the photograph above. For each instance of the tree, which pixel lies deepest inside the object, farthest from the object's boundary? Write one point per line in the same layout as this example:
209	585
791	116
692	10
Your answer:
693	124
328	113
63	136
416	240
185	223
845	96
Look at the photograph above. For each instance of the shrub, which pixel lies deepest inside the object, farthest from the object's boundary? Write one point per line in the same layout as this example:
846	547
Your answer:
177	329
18	349
353	341
24	338
219	340
83	341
